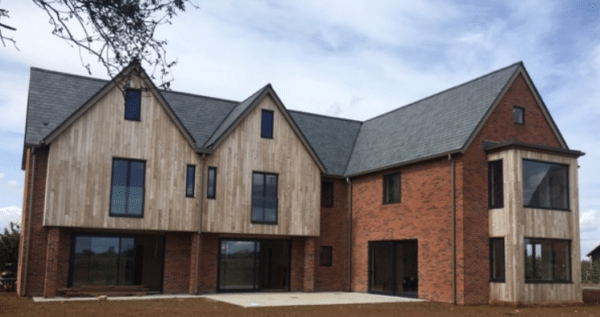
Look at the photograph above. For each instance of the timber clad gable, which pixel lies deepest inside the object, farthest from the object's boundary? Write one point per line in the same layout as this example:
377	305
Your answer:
430	237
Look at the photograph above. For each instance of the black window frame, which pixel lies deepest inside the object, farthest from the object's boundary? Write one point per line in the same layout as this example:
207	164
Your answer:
493	278
517	109
327	194
386	189
190	181
126	214
534	280
263	222
138	116
567	189
214	182
262	123
493	200
325	256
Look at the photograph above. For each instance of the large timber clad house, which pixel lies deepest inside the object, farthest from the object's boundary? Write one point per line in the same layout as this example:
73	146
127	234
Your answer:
466	196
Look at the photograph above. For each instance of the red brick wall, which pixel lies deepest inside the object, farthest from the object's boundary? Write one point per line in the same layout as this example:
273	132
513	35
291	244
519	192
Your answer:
208	263
472	216
422	214
176	276
36	268
334	233
297	264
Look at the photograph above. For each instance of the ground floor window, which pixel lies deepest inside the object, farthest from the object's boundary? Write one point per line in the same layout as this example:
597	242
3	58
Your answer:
497	268
547	260
116	260
393	267
253	265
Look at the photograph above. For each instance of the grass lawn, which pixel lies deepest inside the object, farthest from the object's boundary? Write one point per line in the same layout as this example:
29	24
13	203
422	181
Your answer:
10	305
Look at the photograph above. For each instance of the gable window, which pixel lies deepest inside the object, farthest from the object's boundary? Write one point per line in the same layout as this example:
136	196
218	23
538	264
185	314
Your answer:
190	178
391	188
497	268
127	188
264	198
325	259
266	125
545	185
211	180
133	99
518	115
547	260
495	185
326	194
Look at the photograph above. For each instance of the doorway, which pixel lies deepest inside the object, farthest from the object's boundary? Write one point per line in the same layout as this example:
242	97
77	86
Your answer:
253	265
393	268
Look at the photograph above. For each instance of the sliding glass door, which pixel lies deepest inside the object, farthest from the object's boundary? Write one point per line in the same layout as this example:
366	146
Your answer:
393	267
253	265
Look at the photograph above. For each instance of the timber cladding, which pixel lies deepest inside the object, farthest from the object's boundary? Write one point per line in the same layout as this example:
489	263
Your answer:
244	152
515	222
80	168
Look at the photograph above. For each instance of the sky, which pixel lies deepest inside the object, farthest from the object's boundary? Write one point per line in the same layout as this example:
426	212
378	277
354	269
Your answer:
352	59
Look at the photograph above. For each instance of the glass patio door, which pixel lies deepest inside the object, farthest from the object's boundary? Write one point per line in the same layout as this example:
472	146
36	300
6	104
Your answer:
393	267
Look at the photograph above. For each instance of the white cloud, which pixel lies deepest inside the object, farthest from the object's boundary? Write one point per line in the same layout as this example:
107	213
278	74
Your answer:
8	215
2	176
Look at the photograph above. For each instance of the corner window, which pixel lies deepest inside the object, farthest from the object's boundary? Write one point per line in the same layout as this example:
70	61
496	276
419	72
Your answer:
495	185
391	188
133	99
518	115
325	259
547	260
127	188
266	125
264	198
211	180
190	180
326	194
545	185
497	268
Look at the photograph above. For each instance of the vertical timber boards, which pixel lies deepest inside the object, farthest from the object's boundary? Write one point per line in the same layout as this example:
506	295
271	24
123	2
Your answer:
243	152
80	168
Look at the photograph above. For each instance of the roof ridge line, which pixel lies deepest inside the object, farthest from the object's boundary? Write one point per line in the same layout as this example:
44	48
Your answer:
68	74
352	151
447	89
196	95
324	116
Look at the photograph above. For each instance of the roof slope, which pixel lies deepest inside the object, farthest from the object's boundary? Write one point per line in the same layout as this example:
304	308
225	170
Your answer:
331	138
432	126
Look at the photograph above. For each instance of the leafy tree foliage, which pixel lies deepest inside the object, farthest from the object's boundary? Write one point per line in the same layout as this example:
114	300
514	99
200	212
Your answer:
116	32
9	249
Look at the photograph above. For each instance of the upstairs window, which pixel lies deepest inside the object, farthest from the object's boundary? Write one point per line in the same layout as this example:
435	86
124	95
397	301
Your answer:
266	125
497	267
133	99
211	180
190	180
326	194
518	115
545	185
391	188
547	260
264	198
127	188
495	185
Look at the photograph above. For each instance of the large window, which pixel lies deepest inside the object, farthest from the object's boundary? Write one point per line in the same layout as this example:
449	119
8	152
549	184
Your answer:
190	180
497	268
391	188
266	125
211	186
127	188
326	194
264	198
495	185
545	185
547	260
133	99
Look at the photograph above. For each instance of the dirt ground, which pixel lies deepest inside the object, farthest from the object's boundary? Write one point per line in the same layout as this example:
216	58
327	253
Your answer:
10	305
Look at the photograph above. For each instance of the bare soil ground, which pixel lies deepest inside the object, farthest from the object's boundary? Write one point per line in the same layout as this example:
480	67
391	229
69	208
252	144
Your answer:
10	305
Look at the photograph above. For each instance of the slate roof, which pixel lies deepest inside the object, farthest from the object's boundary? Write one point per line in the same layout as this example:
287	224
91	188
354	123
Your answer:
434	126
